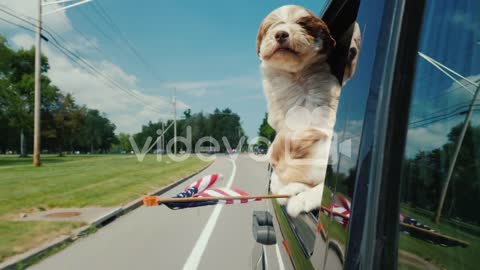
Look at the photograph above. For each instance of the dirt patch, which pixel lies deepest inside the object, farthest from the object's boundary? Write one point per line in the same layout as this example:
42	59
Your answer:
63	214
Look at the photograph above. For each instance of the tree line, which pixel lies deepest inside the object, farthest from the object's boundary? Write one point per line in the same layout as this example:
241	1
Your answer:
65	125
426	172
220	125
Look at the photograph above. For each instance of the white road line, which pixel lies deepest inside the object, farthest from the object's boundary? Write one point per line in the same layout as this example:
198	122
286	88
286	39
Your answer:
265	256
281	266
194	259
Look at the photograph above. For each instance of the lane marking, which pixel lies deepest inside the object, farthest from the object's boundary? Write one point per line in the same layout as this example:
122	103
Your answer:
281	266
265	256
194	259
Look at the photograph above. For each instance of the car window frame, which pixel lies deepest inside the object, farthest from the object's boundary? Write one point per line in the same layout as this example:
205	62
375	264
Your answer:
373	228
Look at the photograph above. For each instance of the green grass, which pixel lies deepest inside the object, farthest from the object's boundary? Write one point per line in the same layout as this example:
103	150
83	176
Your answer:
444	257
84	180
20	236
74	181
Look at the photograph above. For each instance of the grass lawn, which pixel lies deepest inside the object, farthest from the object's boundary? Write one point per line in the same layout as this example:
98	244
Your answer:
444	257
20	236
74	181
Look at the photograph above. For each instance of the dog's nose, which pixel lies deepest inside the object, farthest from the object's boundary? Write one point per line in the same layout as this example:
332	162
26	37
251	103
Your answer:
281	37
352	53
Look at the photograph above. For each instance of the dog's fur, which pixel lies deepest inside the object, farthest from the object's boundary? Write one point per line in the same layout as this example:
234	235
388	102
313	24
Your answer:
299	168
298	79
296	73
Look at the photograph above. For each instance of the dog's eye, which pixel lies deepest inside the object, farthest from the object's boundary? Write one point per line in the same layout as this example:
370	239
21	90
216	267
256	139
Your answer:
301	23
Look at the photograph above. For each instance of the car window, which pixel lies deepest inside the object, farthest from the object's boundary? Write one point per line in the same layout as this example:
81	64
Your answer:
440	188
303	233
348	129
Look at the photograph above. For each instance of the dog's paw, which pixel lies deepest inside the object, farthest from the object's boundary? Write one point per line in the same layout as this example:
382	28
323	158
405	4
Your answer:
293	189
303	202
296	205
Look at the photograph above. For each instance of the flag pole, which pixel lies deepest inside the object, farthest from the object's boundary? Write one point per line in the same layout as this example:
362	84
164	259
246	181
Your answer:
156	200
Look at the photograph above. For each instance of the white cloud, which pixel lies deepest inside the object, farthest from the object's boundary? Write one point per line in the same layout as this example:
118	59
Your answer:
127	112
201	88
434	134
29	8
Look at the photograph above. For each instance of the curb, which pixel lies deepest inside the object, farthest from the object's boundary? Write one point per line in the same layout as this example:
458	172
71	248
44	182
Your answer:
17	261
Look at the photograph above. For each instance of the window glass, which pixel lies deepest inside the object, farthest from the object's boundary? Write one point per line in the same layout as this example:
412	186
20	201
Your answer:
338	192
447	78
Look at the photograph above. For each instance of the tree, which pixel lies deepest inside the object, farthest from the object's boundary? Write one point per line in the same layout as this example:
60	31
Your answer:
98	131
424	176
18	88
123	144
266	131
64	123
68	120
219	124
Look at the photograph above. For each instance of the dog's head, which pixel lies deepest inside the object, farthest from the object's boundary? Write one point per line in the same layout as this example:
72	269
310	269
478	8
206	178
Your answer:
353	52
292	37
294	155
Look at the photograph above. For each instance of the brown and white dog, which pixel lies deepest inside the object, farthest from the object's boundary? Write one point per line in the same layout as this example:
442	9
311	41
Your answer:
293	46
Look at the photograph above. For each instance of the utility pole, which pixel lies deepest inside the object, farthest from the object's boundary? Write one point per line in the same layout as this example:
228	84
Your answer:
438	213
36	117
175	121
162	142
38	64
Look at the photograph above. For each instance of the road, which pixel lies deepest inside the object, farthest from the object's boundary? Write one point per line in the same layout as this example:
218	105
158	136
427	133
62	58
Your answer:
211	237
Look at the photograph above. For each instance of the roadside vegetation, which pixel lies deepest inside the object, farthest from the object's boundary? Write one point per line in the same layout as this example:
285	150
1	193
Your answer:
74	181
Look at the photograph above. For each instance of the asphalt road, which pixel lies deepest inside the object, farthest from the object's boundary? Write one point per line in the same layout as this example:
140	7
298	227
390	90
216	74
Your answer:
211	237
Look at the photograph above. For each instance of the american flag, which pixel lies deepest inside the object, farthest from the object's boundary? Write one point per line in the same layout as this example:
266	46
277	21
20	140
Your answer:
340	210
202	188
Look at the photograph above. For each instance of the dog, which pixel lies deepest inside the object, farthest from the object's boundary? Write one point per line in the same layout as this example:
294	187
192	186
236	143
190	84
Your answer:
293	46
299	168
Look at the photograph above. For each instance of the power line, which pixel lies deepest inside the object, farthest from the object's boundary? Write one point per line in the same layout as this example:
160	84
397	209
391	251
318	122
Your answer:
89	41
16	24
71	53
93	71
96	26
425	117
101	12
443	117
458	108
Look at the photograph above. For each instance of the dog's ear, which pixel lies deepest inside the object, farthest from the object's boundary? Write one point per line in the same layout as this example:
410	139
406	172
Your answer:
318	29
301	142
262	31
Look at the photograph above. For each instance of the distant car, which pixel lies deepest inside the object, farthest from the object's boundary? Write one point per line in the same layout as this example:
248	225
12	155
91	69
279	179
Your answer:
260	149
403	113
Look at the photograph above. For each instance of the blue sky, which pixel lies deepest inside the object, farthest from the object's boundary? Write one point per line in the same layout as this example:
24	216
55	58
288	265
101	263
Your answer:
204	49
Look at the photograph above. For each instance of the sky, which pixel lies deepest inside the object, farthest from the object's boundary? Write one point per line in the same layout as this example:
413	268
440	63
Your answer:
206	50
